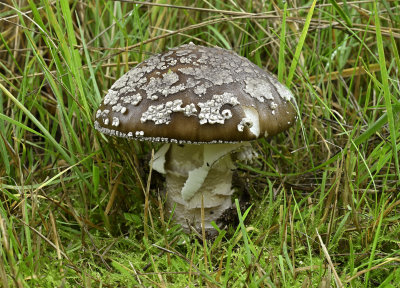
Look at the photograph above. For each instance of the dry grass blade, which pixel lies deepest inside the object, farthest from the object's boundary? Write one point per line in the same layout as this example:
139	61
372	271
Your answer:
345	73
113	193
328	258
362	272
147	198
48	241
57	245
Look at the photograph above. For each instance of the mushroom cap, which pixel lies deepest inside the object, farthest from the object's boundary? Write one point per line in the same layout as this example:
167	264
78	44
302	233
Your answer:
196	94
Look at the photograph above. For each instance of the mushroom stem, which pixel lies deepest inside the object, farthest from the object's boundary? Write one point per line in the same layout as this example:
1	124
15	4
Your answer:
194	172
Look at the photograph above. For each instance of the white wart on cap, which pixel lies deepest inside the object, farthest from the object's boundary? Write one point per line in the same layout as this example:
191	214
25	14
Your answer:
195	94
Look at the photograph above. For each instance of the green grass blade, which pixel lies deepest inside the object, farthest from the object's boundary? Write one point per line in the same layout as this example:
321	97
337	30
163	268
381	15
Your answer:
45	132
299	46
282	43
19	124
375	242
244	233
341	12
386	91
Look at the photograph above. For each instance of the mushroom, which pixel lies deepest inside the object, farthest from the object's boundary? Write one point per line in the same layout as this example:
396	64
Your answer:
206	104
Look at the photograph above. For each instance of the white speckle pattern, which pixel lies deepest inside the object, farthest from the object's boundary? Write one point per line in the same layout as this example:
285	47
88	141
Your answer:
166	54
163	85
129	135
172	62
161	114
183	52
282	90
119	108
111	97
227	114
115	122
120	83
186	59
139	134
210	110
161	66
190	110
259	89
201	89
98	113
133	99
245	122
213	74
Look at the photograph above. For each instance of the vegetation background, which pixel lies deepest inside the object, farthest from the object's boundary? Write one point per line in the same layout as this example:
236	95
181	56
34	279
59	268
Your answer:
325	194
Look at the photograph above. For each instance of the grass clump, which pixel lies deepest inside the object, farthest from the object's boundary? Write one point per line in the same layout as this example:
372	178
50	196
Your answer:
324	195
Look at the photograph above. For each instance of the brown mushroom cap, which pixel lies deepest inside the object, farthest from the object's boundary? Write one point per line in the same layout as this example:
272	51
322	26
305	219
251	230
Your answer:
195	94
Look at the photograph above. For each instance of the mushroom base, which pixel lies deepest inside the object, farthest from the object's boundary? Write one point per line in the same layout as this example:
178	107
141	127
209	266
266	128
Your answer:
197	176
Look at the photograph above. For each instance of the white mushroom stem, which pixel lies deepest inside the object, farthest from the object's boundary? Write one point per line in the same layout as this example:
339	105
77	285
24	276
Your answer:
212	153
194	172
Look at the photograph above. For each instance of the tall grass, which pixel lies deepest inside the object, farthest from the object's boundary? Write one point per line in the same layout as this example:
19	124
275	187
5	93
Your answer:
324	196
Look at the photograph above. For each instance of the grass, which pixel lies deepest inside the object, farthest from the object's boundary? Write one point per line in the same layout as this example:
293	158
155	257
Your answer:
78	209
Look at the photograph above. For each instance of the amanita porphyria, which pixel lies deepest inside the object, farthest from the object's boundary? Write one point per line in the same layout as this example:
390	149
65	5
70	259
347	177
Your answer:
206	104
